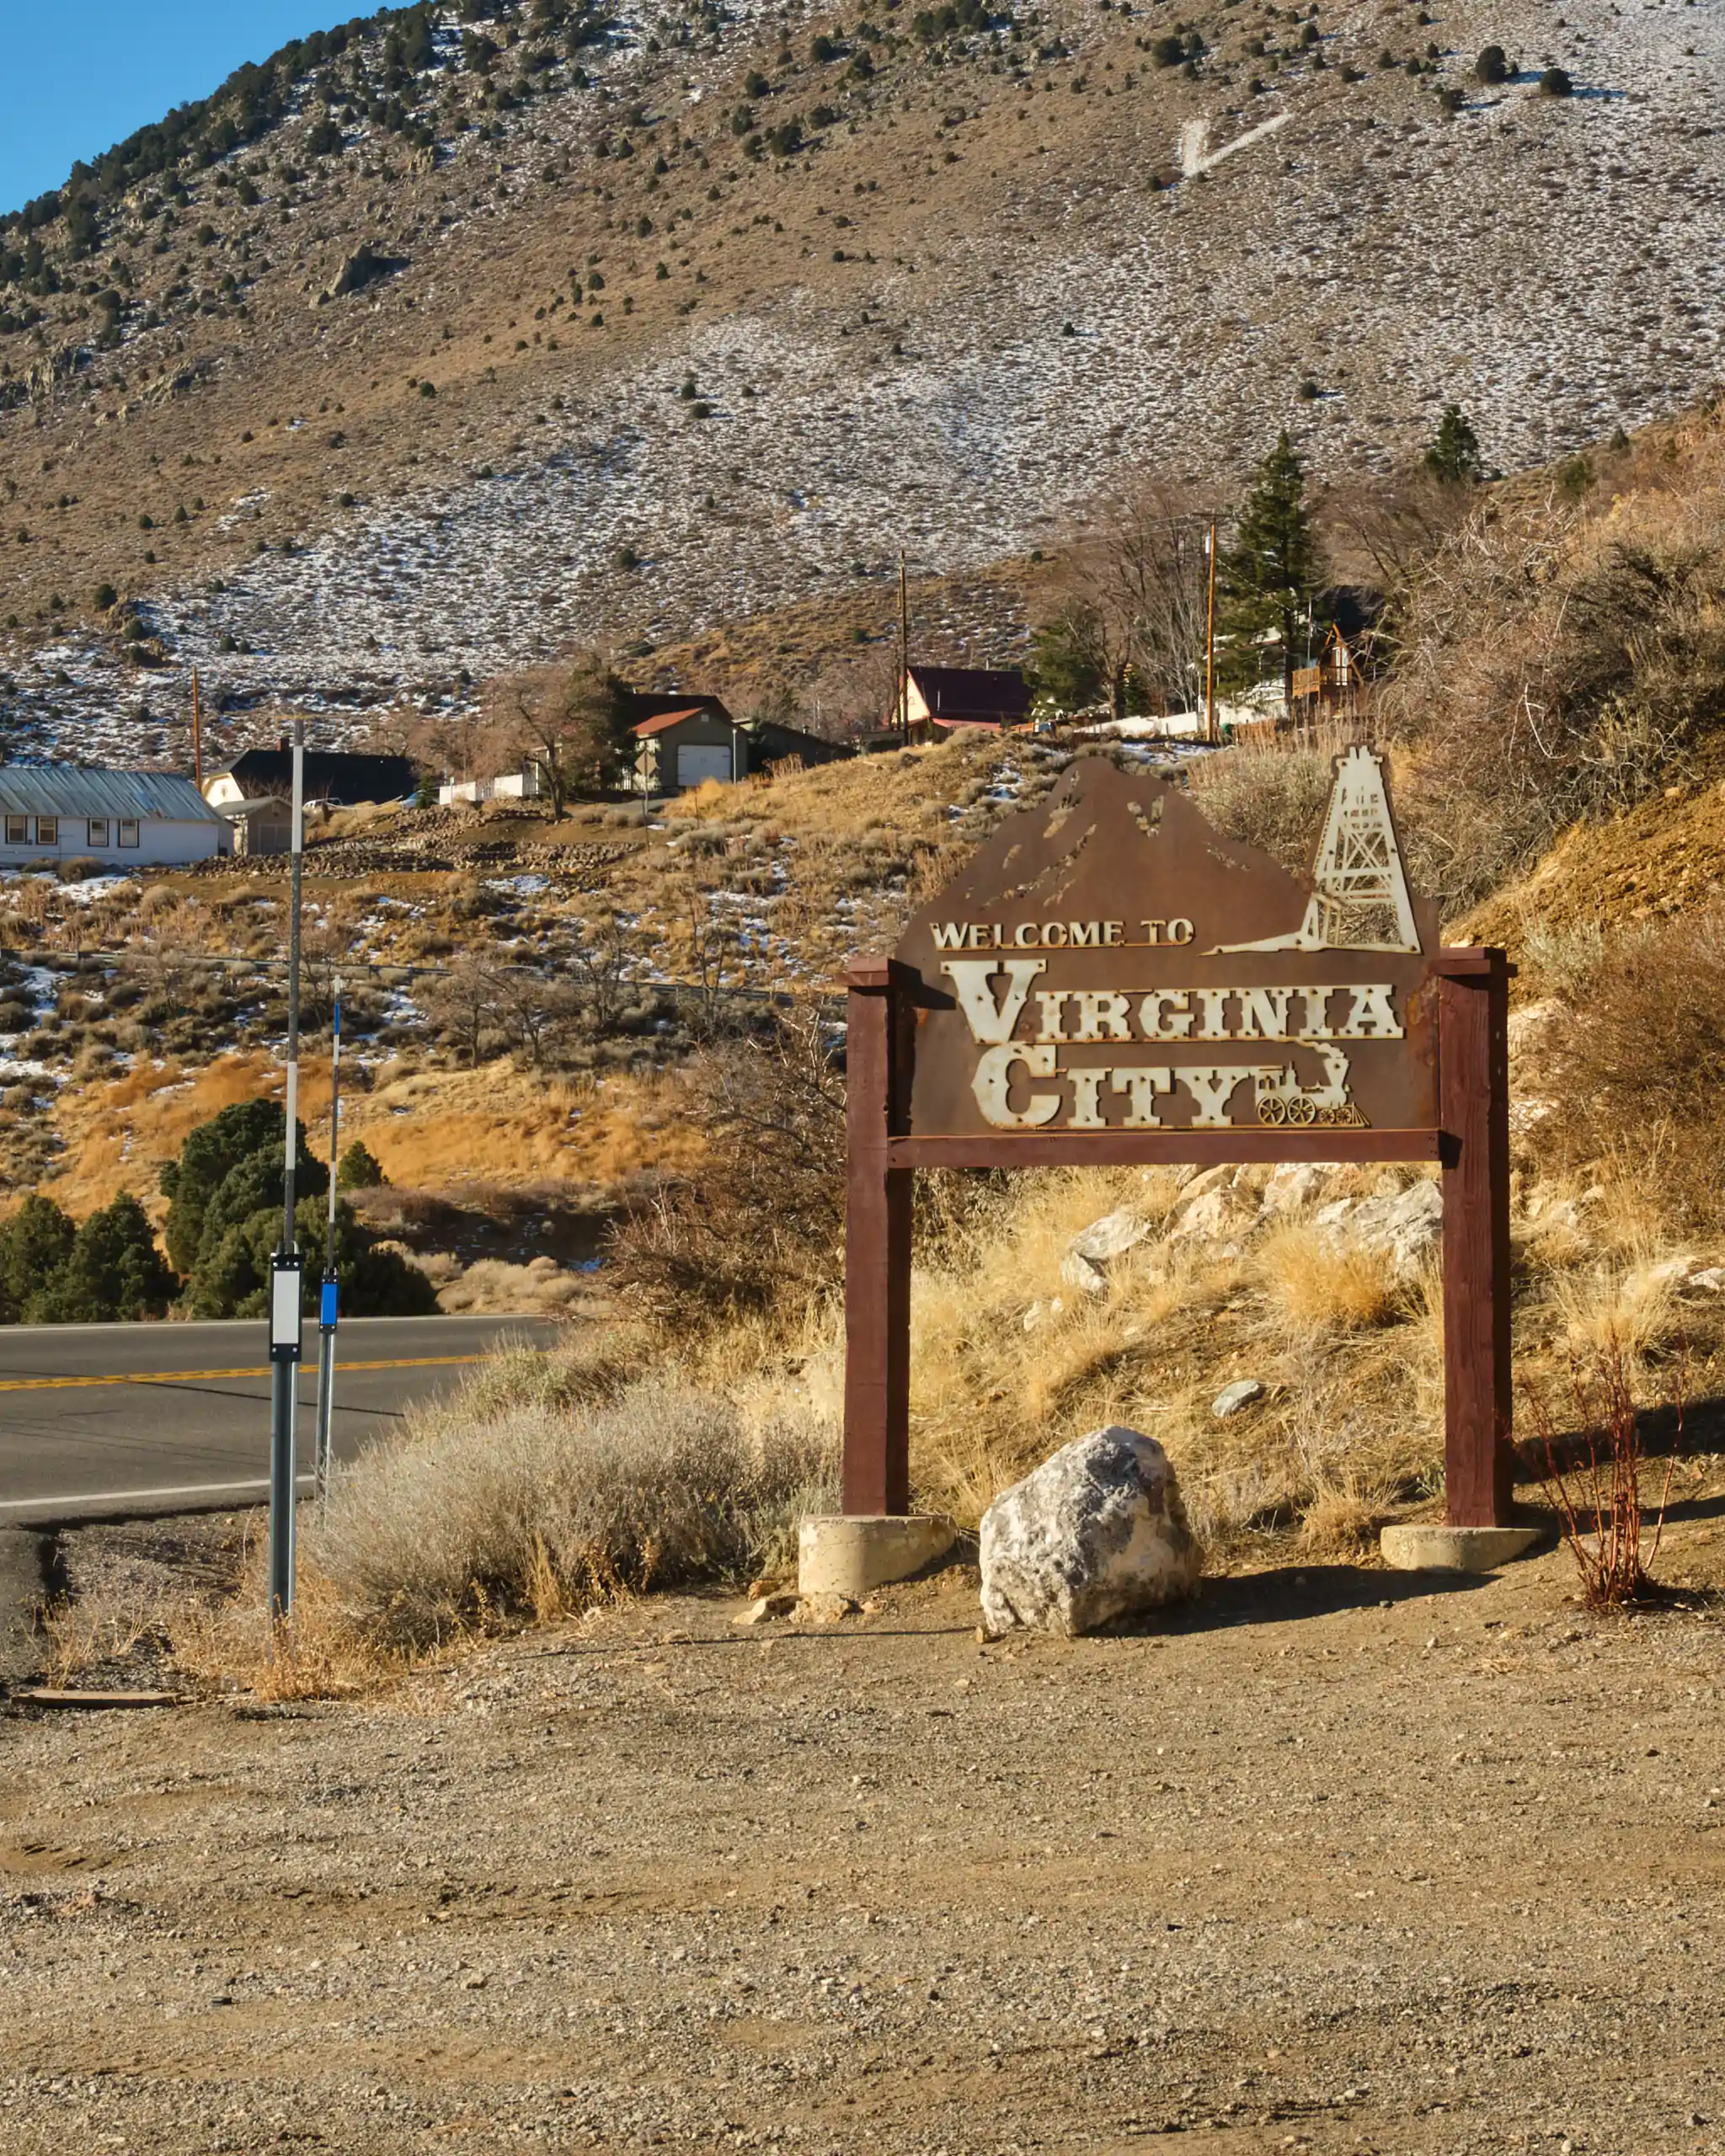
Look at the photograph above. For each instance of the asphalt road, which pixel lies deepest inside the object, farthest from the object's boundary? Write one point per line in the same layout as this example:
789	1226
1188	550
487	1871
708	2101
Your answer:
113	1420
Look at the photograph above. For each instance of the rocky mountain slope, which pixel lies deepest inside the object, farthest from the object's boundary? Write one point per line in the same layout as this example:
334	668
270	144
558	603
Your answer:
556	326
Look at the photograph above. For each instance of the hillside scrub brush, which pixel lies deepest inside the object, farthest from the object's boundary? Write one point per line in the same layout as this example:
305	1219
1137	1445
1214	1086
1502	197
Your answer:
534	1509
1267	796
1559	661
1642	1056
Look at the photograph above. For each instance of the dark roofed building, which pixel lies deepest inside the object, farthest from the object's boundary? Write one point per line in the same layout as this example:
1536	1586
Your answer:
332	774
942	697
771	743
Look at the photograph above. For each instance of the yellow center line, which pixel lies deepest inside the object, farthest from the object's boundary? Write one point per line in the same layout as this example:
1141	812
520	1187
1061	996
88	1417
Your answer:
260	1368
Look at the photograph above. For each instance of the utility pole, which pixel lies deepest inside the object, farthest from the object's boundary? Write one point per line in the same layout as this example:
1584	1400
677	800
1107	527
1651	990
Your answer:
327	1297
197	736
1211	733
904	651
286	1272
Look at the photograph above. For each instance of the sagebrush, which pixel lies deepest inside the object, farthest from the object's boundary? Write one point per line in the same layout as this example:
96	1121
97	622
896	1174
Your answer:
539	1507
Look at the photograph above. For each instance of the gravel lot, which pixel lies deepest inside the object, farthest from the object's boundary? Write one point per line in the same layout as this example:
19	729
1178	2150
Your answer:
1335	1862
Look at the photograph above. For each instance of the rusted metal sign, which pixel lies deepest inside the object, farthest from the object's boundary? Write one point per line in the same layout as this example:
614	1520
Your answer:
1109	981
1109	963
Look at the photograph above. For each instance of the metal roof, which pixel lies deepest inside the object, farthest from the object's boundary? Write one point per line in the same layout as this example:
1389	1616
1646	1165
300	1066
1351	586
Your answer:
955	689
345	778
669	718
72	790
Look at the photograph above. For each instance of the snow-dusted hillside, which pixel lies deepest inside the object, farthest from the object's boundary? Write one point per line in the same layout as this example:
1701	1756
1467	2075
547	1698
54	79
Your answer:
992	353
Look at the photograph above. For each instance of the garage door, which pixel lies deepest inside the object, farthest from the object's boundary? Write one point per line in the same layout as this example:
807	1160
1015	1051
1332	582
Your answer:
695	763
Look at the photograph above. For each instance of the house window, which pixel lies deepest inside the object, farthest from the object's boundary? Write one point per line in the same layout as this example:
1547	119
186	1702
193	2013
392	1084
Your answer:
128	832
98	830
18	831
47	830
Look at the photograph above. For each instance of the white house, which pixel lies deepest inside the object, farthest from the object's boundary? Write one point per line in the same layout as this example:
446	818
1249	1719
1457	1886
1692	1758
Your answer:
124	819
527	784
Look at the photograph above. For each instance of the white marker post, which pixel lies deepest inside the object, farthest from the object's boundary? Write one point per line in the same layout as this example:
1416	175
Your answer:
286	1272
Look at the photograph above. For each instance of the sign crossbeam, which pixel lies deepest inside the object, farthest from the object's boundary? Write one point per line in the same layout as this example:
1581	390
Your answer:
1131	1149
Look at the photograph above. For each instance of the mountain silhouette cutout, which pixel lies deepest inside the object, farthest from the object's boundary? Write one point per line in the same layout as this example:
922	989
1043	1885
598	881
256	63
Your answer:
1108	845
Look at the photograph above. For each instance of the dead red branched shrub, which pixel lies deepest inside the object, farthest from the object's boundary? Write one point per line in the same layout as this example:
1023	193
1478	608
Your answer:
1597	1488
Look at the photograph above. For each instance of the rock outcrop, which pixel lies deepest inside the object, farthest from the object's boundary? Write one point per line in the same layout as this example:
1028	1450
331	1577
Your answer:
1097	1532
1093	1249
1403	1225
363	266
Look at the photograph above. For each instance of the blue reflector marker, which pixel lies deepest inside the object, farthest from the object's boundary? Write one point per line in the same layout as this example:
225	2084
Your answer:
326	1307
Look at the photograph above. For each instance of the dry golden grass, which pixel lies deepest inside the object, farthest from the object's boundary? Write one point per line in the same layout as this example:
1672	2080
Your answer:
491	1285
1341	1521
499	1124
1604	1270
83	1633
227	1641
437	1126
1353	1366
1626	1303
1272	795
1313	1283
120	1132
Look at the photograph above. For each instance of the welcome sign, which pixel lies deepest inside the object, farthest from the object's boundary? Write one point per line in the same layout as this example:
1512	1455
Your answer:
1111	981
1109	963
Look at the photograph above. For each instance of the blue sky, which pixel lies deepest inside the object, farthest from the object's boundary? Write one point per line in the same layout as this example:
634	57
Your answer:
77	76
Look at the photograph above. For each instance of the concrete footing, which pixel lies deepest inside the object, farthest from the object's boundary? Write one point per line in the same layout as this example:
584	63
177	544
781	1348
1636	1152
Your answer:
853	1554
1426	1548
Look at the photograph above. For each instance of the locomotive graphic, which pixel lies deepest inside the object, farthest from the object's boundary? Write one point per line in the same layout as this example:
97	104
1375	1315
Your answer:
1284	1100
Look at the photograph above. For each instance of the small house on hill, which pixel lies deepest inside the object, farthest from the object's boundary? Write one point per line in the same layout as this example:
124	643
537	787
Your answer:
333	775
265	825
770	742
686	745
124	819
525	784
1330	686
939	698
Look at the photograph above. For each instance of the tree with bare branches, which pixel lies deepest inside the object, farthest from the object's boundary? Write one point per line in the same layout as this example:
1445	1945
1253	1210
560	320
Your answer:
571	720
1386	531
763	1223
1125	609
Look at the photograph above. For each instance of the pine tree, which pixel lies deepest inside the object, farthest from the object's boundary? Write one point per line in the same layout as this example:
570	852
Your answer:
112	1274
34	1244
1272	571
359	1169
1067	662
1454	455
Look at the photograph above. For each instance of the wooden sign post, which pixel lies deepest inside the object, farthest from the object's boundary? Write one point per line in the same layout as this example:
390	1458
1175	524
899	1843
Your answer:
1110	982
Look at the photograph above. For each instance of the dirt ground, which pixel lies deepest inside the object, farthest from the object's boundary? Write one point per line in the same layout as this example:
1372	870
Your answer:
1338	1860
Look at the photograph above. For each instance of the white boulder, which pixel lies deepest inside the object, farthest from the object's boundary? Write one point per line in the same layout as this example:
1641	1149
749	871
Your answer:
1097	1532
1233	1397
1210	1216
1093	1249
1292	1187
1404	1224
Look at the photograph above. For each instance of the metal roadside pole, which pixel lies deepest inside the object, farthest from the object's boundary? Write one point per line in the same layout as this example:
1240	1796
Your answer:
284	1372
286	1272
327	1295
